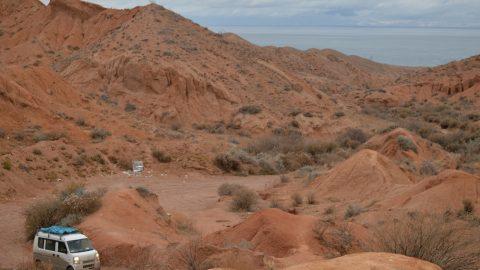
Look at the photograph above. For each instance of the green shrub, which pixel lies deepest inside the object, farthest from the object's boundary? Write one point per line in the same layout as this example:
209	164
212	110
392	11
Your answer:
37	152
99	134
250	109
406	144
161	156
7	165
244	200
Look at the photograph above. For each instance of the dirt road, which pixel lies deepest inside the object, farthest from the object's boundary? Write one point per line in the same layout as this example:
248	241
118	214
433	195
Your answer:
193	195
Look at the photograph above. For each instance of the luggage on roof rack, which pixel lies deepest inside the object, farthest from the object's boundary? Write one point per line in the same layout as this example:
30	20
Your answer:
59	230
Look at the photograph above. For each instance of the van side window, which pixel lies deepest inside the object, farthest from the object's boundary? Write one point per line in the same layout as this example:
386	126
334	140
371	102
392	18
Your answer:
49	244
62	247
41	243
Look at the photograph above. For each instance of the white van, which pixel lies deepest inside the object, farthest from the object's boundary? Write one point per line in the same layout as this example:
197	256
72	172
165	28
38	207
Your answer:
64	248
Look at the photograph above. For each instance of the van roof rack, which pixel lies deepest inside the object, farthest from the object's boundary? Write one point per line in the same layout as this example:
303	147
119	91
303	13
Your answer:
59	230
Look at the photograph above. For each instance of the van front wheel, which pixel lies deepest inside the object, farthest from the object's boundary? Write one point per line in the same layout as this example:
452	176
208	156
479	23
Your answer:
69	268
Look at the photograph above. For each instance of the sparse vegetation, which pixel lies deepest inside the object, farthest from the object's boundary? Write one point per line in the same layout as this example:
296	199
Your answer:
284	179
428	168
244	200
228	189
406	144
437	239
99	134
7	165
297	199
352	138
145	192
227	163
161	156
353	210
2	133
129	107
311	198
74	200
337	237
250	109
50	136
37	152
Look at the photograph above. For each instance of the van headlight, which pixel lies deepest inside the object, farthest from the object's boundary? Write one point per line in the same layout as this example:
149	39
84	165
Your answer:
97	257
76	260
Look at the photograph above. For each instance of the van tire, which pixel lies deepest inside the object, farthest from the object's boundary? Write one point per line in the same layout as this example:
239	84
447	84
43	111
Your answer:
69	268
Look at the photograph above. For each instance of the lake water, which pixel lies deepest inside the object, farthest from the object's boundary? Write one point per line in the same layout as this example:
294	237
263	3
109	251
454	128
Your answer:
397	46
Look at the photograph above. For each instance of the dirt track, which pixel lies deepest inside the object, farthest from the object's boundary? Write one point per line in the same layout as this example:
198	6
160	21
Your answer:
193	195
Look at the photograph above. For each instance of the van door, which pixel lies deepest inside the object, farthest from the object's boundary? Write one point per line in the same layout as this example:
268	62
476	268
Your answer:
50	253
63	260
39	250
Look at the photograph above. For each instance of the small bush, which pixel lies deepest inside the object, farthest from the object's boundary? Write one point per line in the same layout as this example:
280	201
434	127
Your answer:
145	192
227	189
51	136
468	207
284	179
250	109
353	210
244	200
336	237
428	168
436	239
311	198
99	134
328	211
161	156
227	163
297	199
129	107
352	138
7	165
406	144
80	122
72	205
37	152
2	133
275	203
339	114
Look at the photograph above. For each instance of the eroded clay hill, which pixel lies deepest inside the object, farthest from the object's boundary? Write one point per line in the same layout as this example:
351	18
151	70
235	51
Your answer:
366	175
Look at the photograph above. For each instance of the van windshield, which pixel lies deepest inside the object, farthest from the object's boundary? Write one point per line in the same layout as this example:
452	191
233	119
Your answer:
80	245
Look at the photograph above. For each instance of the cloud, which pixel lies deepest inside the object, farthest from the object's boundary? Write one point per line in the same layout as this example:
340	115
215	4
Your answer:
438	13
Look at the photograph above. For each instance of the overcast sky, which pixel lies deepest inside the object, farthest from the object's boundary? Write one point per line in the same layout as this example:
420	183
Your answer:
423	13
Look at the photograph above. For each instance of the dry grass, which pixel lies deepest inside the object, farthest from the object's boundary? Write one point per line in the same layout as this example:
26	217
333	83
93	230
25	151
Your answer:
69	207
161	156
337	237
228	189
452	245
244	200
